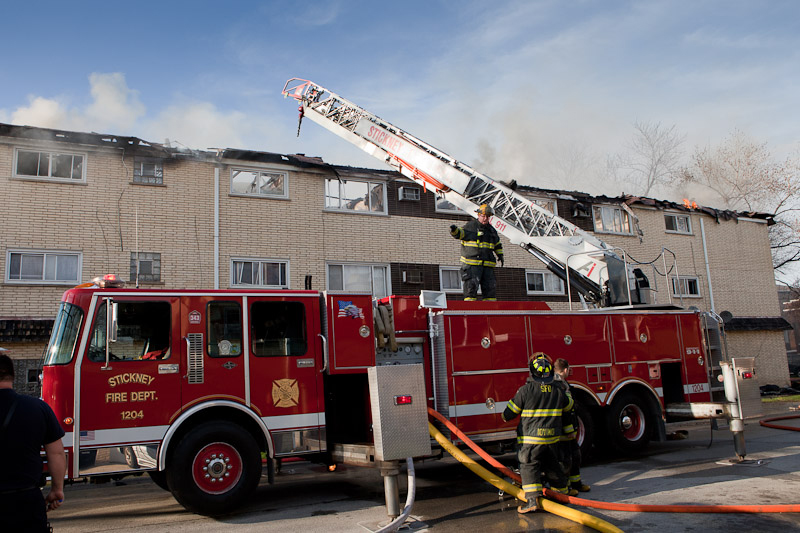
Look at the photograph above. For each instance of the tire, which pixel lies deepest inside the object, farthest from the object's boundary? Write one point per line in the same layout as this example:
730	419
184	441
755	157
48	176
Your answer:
586	432
159	478
629	423
215	467
130	457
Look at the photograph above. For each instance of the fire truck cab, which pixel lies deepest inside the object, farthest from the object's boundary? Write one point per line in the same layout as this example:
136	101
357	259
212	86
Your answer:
199	383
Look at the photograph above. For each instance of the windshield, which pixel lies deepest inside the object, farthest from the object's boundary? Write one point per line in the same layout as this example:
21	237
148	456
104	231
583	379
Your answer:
65	332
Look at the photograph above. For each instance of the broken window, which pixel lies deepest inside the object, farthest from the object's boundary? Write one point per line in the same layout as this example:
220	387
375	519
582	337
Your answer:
50	165
148	170
269	184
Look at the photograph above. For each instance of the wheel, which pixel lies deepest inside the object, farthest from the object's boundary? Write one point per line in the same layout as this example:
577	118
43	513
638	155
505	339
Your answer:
628	423
159	478
130	457
585	430
215	467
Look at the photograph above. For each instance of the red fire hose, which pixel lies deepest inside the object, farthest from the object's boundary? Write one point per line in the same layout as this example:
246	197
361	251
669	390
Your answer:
630	507
766	422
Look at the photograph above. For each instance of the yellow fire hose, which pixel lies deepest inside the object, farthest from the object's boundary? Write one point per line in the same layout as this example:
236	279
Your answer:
548	505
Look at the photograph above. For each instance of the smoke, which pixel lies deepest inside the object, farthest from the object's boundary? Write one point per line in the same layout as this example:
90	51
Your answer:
116	108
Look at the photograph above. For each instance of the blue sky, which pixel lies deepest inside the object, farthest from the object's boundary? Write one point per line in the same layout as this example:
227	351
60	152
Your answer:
537	90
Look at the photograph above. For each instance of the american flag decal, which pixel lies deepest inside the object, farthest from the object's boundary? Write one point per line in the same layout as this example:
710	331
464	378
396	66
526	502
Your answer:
347	309
87	435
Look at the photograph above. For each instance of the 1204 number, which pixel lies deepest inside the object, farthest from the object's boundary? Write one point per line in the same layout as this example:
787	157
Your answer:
132	415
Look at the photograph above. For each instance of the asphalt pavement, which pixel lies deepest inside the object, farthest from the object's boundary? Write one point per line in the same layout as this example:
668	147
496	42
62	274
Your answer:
306	497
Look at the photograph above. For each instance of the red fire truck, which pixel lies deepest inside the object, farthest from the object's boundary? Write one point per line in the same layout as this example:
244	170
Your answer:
194	386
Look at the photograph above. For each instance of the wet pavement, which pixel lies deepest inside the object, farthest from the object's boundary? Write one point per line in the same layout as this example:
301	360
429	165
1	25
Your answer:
307	497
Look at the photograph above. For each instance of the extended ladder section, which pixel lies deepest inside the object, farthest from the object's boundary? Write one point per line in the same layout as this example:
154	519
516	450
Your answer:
595	270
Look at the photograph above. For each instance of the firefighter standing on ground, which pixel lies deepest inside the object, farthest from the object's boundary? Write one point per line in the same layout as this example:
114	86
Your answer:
540	404
479	246
570	450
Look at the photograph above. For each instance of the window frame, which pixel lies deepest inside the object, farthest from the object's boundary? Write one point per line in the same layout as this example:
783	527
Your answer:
624	214
49	177
328	181
544	274
98	341
293	309
277	173
236	348
682	282
344	264
416	194
44	254
676	216
158	162
456	211
457	271
284	263
155	272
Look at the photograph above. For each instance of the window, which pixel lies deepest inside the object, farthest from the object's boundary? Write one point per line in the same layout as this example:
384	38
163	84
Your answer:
38	267
359	278
224	329
611	220
143	332
443	206
263	273
450	279
543	282
677	223
148	170
64	334
49	165
547	203
268	184
358	196
687	286
279	328
409	193
147	269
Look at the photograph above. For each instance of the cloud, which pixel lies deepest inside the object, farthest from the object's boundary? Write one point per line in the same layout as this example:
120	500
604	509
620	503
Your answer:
114	105
41	112
319	14
114	108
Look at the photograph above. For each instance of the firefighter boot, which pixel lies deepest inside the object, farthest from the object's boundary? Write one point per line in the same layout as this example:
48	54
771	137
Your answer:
531	506
580	486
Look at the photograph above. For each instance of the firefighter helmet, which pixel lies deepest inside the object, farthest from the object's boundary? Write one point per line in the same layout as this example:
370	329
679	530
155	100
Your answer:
485	210
541	368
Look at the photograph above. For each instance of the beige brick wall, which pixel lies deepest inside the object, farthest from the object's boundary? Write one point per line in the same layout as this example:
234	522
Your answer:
109	217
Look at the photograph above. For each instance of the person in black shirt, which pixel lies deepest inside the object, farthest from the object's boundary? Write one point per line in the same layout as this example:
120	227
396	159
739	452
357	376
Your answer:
27	424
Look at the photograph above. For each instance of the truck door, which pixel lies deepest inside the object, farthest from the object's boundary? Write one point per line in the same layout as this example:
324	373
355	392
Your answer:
129	402
212	364
285	371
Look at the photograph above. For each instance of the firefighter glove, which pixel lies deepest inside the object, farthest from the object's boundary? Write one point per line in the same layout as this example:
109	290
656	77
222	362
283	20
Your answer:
500	260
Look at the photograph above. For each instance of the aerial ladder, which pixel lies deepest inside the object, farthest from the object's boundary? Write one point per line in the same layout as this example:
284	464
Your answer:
587	264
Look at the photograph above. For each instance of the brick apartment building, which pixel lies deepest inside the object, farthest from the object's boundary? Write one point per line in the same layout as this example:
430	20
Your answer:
80	205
